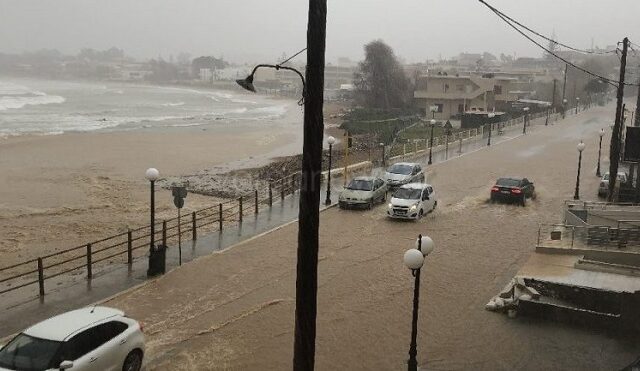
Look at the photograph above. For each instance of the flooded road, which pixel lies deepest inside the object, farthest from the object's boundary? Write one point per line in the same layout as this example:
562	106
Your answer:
234	309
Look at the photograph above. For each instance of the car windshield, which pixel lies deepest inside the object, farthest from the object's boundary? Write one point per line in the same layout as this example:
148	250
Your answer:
400	169
408	193
508	182
26	352
360	185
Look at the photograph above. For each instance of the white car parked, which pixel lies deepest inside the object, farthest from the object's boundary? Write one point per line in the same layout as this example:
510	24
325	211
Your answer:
87	339
412	201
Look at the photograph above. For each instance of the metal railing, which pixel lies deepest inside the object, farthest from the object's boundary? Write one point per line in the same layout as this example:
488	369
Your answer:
590	236
125	247
418	145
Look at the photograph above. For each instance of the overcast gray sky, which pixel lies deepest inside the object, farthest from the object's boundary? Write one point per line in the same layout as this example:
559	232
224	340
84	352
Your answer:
260	30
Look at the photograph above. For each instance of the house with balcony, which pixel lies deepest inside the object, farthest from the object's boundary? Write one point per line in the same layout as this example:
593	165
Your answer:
452	96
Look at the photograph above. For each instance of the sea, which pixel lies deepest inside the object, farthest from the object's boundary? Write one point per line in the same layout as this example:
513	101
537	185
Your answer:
47	107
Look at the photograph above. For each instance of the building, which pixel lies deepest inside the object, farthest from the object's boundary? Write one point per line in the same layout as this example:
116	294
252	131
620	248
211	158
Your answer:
452	96
585	271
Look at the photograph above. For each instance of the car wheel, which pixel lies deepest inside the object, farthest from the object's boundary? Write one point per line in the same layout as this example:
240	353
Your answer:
370	205
420	214
534	195
133	362
435	204
523	202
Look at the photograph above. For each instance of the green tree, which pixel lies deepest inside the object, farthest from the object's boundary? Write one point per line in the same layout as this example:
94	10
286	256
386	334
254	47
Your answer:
380	81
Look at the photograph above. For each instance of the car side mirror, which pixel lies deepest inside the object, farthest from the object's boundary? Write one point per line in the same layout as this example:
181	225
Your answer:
66	365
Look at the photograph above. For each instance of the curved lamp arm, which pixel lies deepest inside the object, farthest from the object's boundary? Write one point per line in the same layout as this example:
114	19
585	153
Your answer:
247	83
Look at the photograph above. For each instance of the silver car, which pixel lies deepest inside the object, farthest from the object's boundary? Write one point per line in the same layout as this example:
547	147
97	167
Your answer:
404	173
363	191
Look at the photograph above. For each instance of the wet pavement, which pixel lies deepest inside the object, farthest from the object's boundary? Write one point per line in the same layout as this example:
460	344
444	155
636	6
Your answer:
235	310
23	307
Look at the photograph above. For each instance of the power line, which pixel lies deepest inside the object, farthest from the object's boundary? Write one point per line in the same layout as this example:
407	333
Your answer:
543	36
504	18
291	57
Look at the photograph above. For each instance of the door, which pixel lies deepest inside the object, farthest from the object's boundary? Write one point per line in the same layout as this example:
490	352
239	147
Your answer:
94	350
80	349
431	200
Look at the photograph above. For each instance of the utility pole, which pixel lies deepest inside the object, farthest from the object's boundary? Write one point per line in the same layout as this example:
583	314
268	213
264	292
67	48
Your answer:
614	147
304	347
553	95
564	89
637	120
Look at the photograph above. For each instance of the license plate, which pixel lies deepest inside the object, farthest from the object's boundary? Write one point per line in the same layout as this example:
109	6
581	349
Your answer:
505	192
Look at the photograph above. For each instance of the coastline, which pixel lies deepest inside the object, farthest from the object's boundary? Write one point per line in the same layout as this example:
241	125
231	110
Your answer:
67	189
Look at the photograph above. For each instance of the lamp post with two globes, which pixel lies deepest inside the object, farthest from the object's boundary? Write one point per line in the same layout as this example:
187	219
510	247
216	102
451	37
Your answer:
414	259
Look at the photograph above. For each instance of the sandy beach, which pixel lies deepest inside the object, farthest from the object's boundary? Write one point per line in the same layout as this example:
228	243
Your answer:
60	191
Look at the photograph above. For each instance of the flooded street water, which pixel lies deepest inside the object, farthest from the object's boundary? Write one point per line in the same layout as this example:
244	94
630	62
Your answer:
234	309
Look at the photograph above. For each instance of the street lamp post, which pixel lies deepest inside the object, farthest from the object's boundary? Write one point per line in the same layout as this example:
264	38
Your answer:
490	116
564	108
526	119
384	155
577	103
414	259
601	134
152	175
331	140
433	124
580	148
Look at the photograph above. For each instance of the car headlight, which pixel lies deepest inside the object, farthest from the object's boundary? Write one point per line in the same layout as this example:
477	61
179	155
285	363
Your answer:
414	207
390	206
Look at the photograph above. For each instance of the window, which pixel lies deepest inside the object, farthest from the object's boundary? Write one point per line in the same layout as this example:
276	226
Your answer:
430	189
460	108
446	87
90	339
497	89
378	183
399	169
26	352
407	194
440	106
360	185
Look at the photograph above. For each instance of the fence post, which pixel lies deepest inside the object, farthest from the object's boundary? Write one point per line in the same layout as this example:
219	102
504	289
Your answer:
194	232
240	209
293	183
129	248
89	273
255	196
41	277
270	193
220	217
164	233
281	189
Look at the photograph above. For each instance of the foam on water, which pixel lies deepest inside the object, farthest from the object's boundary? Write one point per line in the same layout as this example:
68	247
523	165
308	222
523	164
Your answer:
13	96
35	107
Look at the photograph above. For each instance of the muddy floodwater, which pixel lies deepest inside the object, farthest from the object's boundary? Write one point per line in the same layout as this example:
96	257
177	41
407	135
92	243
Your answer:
235	309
